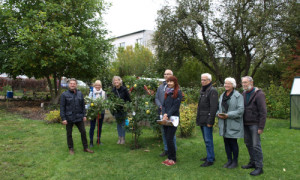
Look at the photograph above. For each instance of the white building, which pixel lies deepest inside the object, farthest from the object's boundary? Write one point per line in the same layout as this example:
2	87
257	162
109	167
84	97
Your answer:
143	37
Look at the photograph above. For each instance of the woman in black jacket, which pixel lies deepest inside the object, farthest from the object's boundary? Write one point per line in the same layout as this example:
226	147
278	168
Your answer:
170	107
122	93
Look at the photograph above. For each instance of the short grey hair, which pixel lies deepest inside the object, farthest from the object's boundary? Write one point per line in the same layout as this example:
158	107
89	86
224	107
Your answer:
117	77
207	75
170	71
72	79
248	77
232	80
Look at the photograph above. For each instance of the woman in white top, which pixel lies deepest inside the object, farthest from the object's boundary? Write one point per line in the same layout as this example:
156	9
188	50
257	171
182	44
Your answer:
97	93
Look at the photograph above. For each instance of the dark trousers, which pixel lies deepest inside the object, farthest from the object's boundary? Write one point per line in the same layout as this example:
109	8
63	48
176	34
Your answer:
170	133
231	148
99	128
252	141
81	128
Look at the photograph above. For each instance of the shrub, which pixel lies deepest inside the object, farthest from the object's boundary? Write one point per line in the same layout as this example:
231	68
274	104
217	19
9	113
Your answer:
191	95
24	84
187	119
84	90
278	101
5	89
53	117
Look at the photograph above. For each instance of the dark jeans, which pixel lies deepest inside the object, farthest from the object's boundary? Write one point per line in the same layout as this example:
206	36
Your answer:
165	141
231	148
99	128
81	128
170	133
207	133
252	141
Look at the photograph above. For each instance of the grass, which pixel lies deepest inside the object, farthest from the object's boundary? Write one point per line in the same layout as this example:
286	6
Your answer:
31	149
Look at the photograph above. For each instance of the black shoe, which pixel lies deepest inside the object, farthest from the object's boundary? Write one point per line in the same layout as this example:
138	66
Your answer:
257	172
205	159
165	153
91	145
227	164
207	163
234	164
248	166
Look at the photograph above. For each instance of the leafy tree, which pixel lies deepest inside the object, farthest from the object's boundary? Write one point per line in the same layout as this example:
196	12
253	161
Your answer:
189	75
292	67
138	61
52	39
268	73
230	38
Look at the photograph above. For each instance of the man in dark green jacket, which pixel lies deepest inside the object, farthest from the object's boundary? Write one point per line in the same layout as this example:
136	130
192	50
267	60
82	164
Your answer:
206	112
72	111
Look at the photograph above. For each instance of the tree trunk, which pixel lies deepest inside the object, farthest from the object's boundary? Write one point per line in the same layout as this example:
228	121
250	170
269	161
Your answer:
50	86
54	92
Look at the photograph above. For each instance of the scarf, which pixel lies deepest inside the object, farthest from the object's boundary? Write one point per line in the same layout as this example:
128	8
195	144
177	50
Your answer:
225	105
205	87
169	90
97	93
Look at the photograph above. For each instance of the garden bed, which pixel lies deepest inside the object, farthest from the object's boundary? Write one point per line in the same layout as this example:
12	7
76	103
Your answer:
27	109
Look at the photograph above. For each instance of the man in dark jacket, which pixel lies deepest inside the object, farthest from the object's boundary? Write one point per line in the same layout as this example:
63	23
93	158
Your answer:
254	122
72	111
159	100
206	112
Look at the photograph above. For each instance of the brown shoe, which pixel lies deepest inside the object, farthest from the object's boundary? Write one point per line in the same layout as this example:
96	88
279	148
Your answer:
88	150
122	140
71	151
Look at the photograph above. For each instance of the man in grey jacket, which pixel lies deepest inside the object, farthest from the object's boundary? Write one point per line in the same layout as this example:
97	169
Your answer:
159	100
255	115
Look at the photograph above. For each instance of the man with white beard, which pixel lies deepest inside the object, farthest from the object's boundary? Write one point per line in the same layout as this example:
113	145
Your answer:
255	115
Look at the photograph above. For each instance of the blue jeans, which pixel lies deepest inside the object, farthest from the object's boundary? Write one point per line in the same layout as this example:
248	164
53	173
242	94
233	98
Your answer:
165	140
121	129
99	129
252	141
207	133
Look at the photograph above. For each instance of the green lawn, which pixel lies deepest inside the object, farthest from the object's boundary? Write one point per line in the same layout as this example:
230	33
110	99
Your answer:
31	149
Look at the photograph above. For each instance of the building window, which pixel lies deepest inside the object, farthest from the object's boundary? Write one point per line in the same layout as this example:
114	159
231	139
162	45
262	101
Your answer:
139	41
122	44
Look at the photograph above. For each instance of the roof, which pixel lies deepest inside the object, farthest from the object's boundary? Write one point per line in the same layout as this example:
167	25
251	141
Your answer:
296	86
141	31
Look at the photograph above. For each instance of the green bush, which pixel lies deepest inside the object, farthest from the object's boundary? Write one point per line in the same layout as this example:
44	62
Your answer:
191	95
278	101
5	89
53	117
84	90
187	119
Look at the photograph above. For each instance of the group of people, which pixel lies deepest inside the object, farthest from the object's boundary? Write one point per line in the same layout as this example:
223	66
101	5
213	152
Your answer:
239	116
73	112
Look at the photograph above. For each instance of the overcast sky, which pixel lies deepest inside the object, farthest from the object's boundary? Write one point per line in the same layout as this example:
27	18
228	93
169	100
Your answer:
127	16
